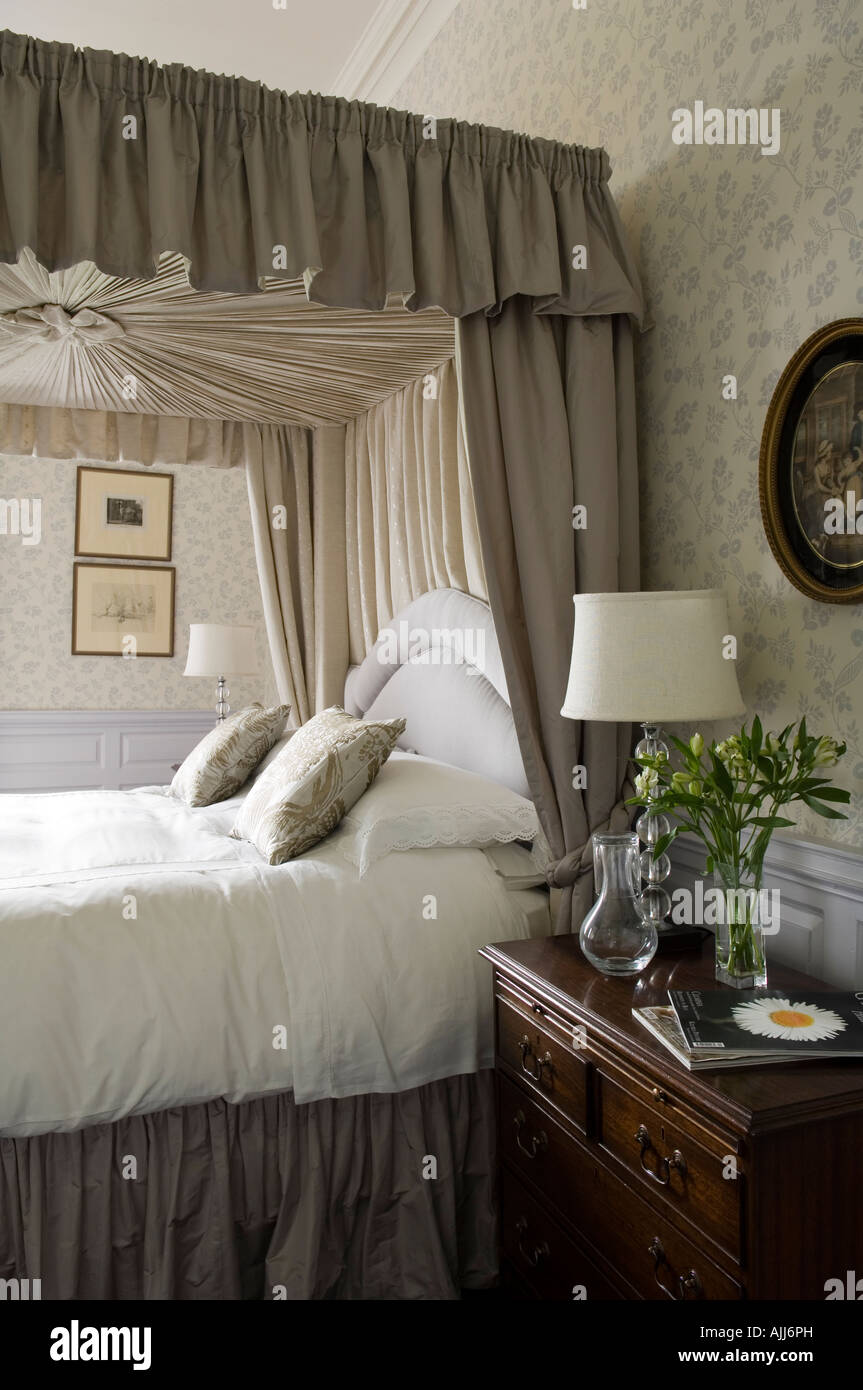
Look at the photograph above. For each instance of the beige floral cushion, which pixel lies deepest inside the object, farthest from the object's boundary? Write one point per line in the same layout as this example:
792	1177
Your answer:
228	755
316	779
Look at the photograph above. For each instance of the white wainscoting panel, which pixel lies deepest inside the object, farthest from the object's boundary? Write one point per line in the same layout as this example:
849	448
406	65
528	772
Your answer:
821	904
67	750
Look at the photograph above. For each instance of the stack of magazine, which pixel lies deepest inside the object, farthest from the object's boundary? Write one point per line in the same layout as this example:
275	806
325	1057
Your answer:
711	1028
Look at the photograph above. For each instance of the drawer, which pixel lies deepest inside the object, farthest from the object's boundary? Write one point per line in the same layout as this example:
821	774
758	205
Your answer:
680	1161
633	1237
531	1047
536	1247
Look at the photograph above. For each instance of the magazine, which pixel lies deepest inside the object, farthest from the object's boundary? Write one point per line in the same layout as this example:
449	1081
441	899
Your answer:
661	1021
755	1022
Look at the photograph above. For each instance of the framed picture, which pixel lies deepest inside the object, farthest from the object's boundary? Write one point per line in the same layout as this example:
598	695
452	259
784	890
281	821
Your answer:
811	465
122	610
123	514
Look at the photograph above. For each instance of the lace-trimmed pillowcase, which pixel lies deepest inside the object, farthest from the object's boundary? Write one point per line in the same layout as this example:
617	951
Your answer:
227	756
418	803
318	776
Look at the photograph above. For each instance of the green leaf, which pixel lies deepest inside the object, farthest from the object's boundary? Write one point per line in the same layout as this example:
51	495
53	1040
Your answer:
832	794
664	841
722	776
756	738
824	811
770	822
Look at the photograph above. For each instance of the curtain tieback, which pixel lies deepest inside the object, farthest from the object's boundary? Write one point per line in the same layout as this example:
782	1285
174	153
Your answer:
565	872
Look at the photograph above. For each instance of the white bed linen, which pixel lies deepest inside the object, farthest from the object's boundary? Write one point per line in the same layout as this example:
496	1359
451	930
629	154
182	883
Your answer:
104	1014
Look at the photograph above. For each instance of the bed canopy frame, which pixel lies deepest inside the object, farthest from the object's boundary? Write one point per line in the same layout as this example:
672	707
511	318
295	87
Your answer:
262	264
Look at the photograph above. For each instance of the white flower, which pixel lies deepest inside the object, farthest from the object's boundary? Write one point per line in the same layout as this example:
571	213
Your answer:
826	752
696	743
730	752
647	781
780	1018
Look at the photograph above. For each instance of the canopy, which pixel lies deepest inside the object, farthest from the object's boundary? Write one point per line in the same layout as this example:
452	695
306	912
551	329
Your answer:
112	162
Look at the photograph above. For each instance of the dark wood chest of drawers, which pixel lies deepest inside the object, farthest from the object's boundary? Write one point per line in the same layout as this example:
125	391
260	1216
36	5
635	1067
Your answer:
623	1175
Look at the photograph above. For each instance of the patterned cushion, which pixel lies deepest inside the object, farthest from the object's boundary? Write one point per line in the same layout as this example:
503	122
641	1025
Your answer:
225	758
319	775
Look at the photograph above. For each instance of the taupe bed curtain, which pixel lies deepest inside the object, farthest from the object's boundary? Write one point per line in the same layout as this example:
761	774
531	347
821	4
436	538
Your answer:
566	436
516	237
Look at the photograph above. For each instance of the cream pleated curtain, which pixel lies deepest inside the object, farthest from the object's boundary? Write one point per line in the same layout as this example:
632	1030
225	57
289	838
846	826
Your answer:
411	523
108	436
296	489
352	523
83	340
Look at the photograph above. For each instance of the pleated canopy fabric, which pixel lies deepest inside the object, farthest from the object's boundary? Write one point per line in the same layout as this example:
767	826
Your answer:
84	340
248	183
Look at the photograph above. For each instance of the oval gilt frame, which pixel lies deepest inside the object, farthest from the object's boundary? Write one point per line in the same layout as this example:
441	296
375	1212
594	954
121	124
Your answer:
811	363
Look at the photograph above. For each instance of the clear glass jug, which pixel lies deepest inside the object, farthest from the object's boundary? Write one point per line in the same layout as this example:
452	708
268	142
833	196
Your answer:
614	936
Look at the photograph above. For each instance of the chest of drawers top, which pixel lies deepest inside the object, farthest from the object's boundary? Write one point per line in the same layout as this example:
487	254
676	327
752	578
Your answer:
550	976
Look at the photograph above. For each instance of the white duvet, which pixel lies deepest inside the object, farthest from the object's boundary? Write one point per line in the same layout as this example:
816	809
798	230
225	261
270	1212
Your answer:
148	960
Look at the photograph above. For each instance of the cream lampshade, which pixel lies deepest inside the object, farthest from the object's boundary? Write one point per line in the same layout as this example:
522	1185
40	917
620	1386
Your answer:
216	649
652	658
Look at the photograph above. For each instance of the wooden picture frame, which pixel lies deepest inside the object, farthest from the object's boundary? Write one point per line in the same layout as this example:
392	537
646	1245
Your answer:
123	513
112	604
810	470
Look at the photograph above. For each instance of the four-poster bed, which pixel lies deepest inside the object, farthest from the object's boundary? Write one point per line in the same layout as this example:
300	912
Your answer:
319	1191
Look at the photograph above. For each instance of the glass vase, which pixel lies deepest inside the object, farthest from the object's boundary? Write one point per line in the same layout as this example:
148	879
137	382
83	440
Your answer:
740	959
614	935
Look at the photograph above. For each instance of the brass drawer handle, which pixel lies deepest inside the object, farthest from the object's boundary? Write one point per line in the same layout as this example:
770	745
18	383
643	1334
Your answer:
537	1143
535	1070
662	1172
689	1283
539	1252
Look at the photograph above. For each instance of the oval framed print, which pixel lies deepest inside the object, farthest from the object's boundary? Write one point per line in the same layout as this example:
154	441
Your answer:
810	471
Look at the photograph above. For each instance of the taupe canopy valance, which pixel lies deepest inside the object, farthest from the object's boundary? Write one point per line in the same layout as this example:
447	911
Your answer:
115	160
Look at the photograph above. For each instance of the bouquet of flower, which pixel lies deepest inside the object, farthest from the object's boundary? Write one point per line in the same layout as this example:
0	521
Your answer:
731	796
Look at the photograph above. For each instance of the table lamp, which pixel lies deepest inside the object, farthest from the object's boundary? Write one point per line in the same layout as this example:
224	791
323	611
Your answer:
652	659
216	649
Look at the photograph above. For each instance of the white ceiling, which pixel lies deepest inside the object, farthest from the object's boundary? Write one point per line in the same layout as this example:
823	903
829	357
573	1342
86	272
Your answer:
300	48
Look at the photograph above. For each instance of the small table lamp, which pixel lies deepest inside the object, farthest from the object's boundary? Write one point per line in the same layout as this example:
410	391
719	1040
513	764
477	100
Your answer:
651	659
218	650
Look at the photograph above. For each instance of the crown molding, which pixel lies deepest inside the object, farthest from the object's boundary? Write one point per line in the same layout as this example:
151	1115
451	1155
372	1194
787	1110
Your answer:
391	45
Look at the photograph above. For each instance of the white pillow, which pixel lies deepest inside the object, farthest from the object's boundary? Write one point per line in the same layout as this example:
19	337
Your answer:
418	803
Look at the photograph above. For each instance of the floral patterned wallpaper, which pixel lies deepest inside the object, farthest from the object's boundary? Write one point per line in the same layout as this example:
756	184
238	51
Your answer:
216	581
742	256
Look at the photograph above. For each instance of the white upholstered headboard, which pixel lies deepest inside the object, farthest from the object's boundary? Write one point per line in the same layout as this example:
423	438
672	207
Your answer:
438	664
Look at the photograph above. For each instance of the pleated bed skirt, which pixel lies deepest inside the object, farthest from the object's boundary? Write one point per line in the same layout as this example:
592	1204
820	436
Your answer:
370	1197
